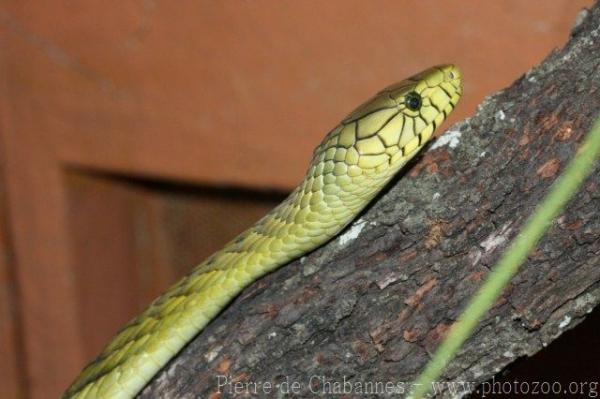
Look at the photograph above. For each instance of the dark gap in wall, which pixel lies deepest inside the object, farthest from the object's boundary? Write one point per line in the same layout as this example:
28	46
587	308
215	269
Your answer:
134	236
570	364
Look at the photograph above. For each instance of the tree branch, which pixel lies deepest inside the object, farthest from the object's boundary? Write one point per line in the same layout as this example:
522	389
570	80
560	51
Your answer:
373	304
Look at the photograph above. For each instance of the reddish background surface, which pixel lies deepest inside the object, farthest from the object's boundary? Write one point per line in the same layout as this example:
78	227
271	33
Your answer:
213	94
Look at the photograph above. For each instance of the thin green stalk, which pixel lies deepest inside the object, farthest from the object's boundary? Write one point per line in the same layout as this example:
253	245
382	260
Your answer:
536	226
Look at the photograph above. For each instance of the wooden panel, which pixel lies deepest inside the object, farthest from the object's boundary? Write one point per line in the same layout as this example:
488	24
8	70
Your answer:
208	91
150	234
214	93
53	349
103	252
12	373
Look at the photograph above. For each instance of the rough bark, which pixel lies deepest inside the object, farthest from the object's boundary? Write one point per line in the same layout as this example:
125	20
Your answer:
373	304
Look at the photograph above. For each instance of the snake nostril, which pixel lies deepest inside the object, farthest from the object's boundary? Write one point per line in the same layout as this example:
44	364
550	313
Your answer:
451	75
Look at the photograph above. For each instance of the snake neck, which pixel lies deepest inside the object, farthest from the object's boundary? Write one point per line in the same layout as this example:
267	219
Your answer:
352	164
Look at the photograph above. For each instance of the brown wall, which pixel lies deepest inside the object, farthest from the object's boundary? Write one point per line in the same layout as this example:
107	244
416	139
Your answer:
96	94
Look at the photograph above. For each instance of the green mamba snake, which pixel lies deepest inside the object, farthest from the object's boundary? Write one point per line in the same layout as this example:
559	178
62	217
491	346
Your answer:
352	164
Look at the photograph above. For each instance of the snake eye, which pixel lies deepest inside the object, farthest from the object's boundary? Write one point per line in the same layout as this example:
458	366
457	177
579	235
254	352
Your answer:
413	101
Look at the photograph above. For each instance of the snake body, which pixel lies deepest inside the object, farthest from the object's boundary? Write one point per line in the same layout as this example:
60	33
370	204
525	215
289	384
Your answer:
350	166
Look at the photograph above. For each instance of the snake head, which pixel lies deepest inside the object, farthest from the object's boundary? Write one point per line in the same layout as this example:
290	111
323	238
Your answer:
428	94
382	134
